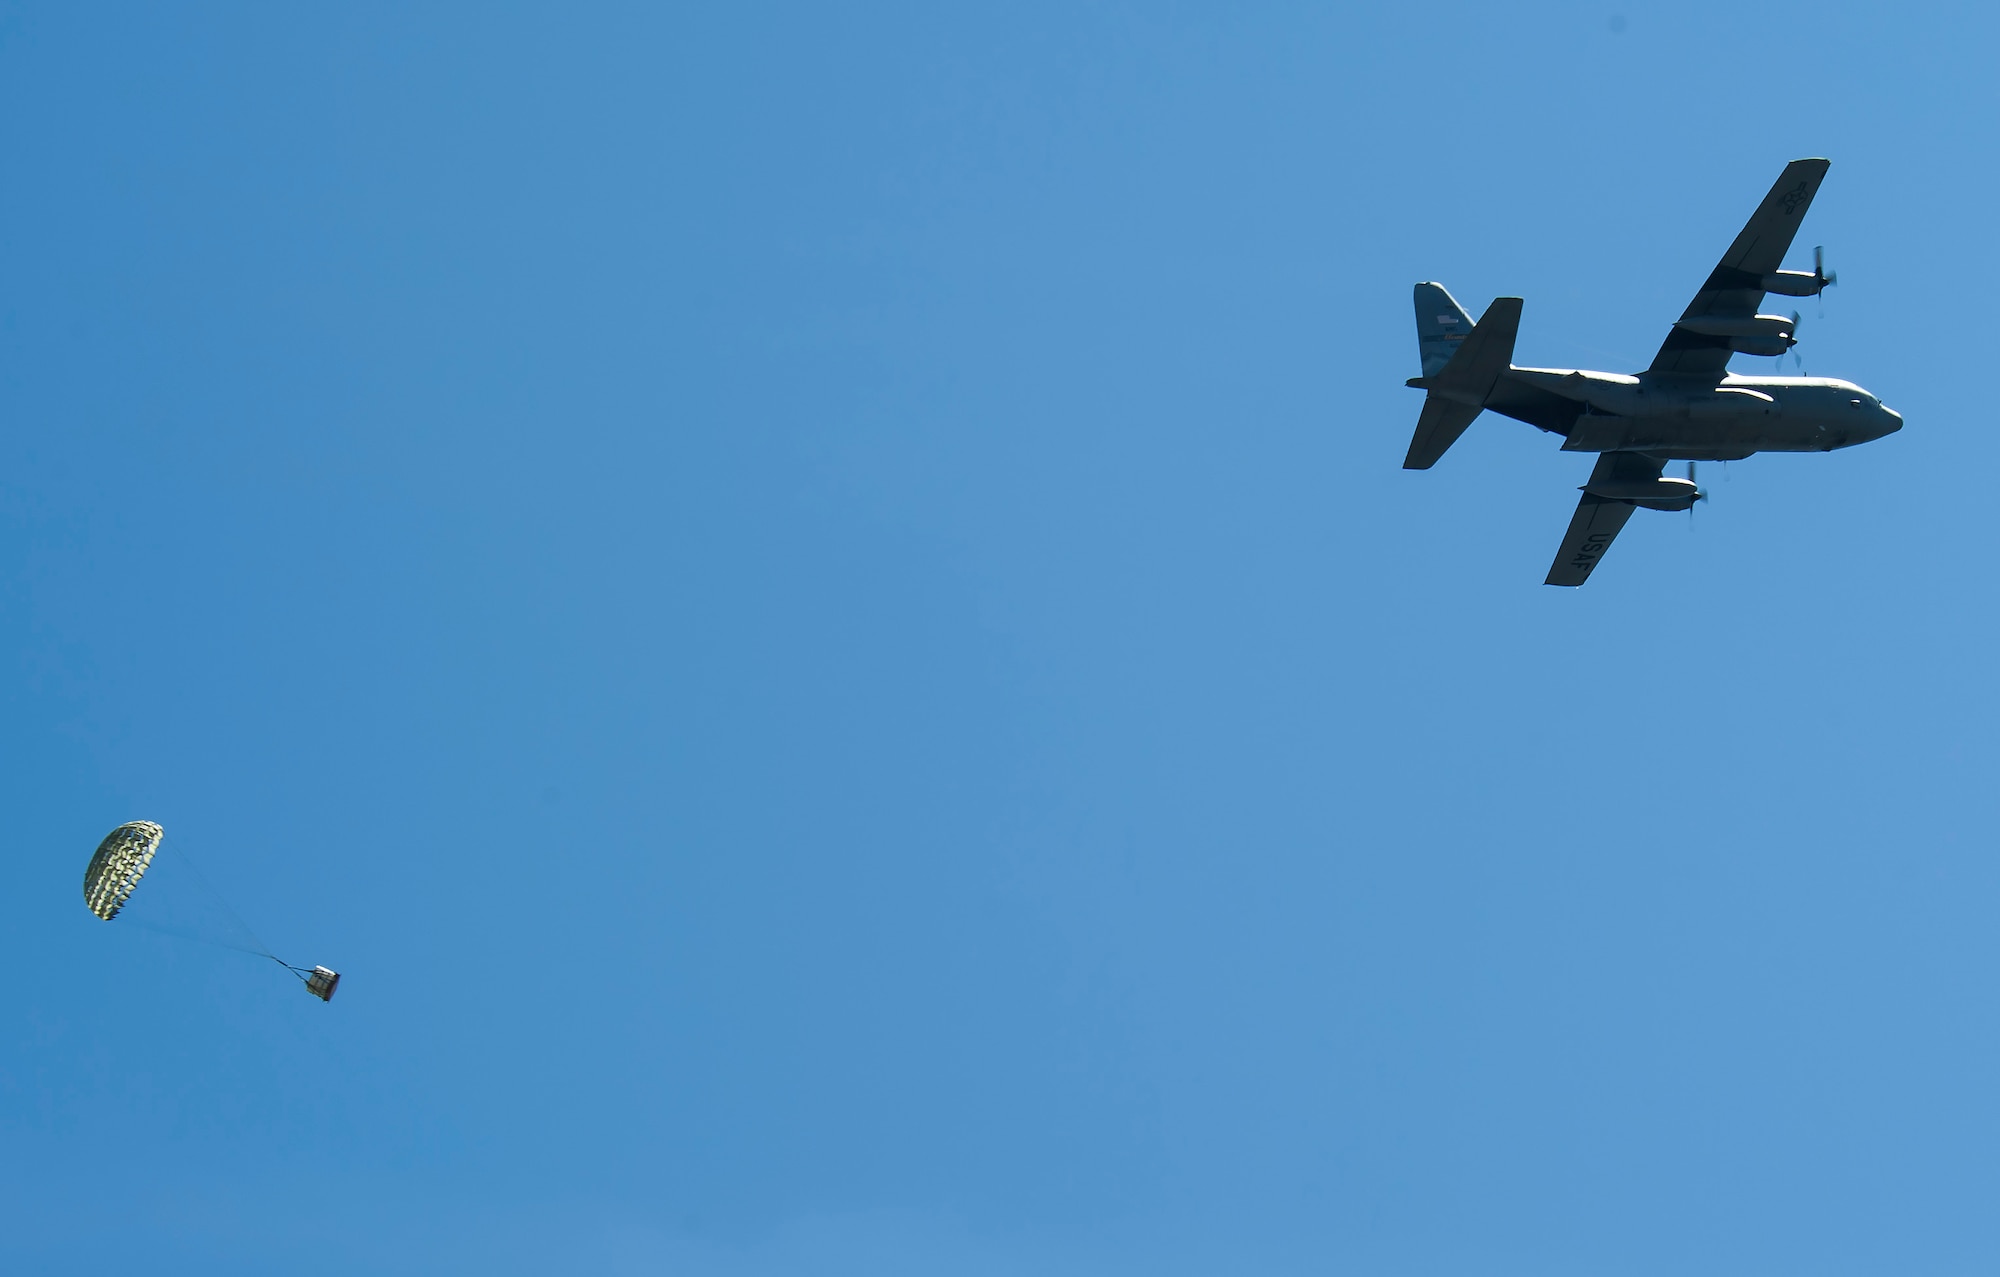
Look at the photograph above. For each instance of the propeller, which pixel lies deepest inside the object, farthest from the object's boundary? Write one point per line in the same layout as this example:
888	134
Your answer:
1779	370
1826	278
1699	496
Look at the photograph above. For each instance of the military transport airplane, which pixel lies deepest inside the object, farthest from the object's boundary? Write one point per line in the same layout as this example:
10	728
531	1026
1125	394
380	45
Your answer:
1687	407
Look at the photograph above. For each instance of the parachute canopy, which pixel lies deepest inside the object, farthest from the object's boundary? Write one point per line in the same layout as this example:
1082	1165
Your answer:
120	862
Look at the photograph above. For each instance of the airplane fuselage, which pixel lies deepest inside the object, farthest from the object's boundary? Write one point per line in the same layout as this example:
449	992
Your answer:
1693	419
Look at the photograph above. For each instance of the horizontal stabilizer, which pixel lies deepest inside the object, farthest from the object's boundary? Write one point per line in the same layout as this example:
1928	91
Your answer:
1442	422
1457	391
1470	375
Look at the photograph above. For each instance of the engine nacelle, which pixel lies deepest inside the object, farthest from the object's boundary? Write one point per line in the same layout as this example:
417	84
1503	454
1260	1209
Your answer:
1662	493
1747	334
1795	283
1762	345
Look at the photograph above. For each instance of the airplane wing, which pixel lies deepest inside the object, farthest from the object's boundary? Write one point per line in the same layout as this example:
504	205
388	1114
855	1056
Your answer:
1735	288
1599	519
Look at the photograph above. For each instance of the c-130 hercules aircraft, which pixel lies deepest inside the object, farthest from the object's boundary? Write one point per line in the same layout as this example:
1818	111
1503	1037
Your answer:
1687	407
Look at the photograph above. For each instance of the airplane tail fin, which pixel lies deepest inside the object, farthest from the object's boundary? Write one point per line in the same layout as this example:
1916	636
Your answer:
1458	388
1442	325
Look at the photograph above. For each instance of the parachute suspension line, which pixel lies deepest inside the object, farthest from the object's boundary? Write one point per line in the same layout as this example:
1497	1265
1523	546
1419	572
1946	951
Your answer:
261	948
182	933
318	981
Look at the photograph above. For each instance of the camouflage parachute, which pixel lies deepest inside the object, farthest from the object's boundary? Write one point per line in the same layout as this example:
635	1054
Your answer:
120	862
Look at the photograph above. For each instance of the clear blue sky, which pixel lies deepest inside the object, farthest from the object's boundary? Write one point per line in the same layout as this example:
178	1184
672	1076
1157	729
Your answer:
816	605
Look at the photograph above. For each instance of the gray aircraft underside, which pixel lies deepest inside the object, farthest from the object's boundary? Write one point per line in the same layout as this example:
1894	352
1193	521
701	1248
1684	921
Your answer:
1686	407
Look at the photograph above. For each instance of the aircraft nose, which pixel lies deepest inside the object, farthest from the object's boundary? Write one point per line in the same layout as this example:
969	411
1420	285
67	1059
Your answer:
1895	420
